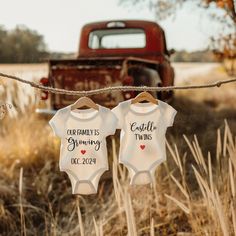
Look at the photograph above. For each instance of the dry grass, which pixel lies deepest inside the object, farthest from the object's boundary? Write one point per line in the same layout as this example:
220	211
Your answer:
194	192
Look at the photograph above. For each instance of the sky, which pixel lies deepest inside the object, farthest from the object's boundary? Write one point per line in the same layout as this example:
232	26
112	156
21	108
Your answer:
60	21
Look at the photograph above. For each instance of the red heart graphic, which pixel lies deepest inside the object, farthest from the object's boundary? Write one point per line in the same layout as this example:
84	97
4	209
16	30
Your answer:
142	146
83	151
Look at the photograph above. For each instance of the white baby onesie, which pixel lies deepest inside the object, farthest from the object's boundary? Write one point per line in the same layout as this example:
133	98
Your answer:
83	152
142	139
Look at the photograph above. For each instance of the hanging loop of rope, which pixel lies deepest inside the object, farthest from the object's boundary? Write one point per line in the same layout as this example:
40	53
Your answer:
115	88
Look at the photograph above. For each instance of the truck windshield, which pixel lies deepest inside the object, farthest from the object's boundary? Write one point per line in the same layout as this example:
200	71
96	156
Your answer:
117	38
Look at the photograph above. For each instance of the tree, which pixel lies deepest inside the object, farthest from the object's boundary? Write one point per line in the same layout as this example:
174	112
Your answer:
165	8
224	45
21	45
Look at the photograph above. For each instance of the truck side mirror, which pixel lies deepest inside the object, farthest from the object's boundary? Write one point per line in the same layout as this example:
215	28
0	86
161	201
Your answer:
171	51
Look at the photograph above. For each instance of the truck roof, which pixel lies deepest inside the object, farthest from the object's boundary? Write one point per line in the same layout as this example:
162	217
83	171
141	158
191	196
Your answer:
126	23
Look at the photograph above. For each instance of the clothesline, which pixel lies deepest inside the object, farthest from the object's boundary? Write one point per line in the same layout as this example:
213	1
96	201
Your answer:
115	88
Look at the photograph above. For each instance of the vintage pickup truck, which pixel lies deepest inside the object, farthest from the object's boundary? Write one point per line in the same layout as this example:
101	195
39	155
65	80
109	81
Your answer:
112	53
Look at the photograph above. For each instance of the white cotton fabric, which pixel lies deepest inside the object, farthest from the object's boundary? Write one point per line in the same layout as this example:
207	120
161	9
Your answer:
142	139
83	151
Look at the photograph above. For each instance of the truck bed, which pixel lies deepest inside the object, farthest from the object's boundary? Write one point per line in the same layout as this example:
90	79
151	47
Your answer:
88	74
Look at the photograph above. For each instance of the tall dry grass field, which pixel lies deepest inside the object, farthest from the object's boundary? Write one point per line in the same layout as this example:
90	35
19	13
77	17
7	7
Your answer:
194	192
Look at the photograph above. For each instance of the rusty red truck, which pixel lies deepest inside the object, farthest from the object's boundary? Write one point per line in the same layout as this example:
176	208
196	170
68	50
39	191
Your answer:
112	53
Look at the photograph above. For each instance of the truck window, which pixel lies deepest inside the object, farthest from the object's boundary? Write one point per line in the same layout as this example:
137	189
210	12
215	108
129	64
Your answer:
117	38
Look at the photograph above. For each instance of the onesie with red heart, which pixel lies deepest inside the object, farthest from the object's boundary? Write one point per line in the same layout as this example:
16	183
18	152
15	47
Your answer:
83	154
142	138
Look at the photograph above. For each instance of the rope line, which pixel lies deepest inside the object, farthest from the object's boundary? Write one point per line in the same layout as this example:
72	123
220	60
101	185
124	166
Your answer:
115	88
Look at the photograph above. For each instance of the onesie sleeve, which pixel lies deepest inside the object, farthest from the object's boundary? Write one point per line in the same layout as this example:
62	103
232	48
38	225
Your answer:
169	115
111	123
119	115
57	123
